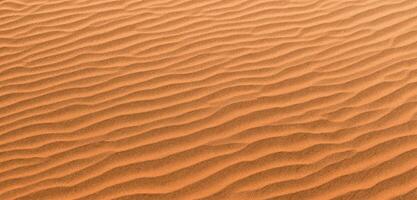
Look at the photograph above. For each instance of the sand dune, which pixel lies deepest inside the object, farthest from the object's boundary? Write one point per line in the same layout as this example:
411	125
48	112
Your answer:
209	100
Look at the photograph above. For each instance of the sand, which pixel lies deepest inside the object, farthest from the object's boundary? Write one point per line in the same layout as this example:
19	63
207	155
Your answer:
208	100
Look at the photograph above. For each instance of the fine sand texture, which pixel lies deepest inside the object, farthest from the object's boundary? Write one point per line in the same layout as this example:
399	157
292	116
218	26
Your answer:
208	99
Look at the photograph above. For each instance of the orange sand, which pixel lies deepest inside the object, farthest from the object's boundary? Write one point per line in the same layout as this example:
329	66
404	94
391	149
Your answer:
208	100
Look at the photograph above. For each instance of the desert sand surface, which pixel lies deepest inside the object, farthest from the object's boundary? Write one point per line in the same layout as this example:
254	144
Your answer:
208	99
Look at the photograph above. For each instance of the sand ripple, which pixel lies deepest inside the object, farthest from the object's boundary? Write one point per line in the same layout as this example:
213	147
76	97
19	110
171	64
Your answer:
210	100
